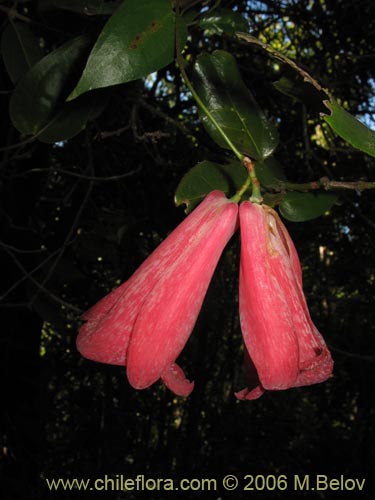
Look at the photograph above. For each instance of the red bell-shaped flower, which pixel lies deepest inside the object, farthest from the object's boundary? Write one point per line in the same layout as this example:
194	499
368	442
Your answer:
146	322
284	348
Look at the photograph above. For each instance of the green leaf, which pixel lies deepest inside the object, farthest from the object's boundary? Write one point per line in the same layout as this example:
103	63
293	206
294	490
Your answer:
73	117
205	177
20	49
343	123
294	86
221	88
137	40
269	172
299	207
349	128
87	7
223	21
41	92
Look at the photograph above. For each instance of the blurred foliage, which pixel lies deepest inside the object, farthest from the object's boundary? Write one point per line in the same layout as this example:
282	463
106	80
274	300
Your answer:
78	217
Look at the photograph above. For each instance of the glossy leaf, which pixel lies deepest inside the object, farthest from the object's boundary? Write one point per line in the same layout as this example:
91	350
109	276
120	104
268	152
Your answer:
20	49
73	117
223	21
269	172
40	94
205	177
87	7
350	129
137	40
220	86
299	207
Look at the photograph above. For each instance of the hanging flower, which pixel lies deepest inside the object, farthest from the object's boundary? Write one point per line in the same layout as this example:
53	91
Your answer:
283	347
146	322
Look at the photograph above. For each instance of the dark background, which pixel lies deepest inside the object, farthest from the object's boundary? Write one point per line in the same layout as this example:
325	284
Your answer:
67	239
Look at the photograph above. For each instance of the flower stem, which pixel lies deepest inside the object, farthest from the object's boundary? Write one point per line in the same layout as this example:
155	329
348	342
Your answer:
237	197
181	65
256	195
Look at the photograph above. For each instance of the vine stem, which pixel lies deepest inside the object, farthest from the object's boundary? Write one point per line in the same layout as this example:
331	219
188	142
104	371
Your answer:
181	65
326	184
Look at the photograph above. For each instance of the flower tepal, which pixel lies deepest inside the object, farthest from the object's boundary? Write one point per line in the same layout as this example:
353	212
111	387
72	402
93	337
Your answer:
284	348
146	322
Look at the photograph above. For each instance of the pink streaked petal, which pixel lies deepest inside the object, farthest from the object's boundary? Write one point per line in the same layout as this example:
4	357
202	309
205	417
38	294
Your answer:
318	370
174	378
248	395
169	313
310	342
266	322
101	308
105	336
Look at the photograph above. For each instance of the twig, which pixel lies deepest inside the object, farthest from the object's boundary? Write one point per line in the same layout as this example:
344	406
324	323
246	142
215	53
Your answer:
82	176
28	274
21	250
353	355
13	14
166	117
324	183
40	286
75	222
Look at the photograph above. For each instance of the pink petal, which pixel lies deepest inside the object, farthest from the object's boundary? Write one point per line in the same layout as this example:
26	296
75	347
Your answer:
266	322
174	378
170	310
105	336
254	390
275	320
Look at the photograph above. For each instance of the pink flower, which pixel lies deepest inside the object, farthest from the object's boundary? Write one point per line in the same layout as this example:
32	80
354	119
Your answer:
146	322
283	347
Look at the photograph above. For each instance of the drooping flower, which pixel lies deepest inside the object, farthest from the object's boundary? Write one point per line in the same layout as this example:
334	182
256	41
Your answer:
146	322
283	347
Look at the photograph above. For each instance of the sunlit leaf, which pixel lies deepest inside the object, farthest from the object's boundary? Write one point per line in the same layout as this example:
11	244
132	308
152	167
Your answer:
350	129
343	123
223	21
20	49
205	177
220	86
299	207
137	40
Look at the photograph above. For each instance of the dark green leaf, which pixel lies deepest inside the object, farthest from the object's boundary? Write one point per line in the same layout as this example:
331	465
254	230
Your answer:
298	207
294	86
40	94
73	117
137	40
220	86
223	21
350	129
87	7
206	177
269	172
20	49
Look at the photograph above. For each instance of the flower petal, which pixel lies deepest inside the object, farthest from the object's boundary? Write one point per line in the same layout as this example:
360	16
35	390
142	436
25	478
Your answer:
266	321
169	313
105	336
174	378
315	362
271	279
